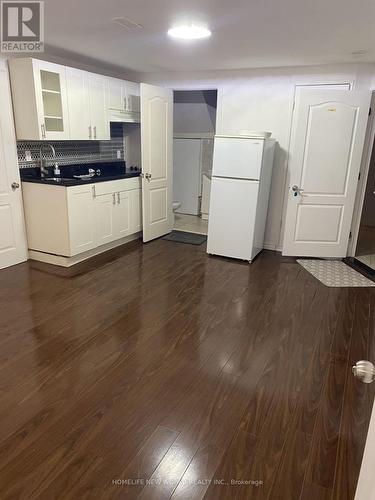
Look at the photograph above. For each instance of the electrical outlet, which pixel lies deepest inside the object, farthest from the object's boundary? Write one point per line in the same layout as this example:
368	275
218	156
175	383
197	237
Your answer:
28	155
119	154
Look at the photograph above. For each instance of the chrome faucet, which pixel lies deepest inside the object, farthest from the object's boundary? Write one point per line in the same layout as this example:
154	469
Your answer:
42	162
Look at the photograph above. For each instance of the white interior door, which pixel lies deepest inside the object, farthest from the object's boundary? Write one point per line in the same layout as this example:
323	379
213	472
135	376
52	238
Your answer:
327	140
12	232
157	160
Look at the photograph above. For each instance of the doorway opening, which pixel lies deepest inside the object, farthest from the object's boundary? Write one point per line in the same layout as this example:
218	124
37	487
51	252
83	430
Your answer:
365	250
194	126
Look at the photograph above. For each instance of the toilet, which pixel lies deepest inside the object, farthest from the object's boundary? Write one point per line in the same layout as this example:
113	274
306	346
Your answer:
176	205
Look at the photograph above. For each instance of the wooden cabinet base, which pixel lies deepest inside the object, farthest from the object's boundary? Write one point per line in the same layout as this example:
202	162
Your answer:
60	260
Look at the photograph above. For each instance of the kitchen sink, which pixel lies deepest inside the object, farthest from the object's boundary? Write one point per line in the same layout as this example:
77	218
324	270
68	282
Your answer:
56	179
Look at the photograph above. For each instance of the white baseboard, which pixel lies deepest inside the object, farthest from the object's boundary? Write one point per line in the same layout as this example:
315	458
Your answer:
60	260
272	246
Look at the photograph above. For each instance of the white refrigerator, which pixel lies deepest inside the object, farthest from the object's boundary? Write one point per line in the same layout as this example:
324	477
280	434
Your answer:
241	180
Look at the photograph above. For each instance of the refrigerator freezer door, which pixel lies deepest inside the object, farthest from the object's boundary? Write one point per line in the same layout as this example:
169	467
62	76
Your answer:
237	158
232	217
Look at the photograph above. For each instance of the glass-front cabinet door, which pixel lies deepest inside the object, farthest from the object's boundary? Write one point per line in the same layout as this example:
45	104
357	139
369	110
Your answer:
51	98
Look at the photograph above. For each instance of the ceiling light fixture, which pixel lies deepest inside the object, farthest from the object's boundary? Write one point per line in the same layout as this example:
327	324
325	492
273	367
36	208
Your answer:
189	32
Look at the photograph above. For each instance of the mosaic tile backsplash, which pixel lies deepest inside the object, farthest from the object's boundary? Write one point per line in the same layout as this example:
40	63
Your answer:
72	152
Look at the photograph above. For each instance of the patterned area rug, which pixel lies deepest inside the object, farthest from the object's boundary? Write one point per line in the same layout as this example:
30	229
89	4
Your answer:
334	273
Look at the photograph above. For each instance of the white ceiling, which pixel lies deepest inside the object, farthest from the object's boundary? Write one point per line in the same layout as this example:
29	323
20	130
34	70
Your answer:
245	33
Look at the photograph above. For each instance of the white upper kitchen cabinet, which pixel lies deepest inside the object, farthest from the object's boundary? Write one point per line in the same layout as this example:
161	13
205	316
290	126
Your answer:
117	92
39	100
78	105
87	104
133	97
99	117
124	96
54	102
124	100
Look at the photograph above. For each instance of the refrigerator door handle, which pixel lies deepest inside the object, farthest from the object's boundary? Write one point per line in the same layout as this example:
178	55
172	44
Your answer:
235	178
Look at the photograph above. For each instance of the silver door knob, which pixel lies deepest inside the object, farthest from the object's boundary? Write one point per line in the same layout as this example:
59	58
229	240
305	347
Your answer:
297	191
364	371
15	185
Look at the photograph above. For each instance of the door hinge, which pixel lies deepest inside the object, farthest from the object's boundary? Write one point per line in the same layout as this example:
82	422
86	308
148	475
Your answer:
369	111
350	235
359	175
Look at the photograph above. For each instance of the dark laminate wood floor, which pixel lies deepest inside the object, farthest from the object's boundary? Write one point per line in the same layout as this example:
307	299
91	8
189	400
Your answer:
163	364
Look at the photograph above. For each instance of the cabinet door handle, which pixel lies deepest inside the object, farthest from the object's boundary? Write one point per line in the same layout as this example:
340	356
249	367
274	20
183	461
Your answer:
90	132
95	132
118	198
93	192
125	105
114	198
43	129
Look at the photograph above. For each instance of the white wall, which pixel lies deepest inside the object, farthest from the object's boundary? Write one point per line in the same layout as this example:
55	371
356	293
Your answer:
262	99
192	114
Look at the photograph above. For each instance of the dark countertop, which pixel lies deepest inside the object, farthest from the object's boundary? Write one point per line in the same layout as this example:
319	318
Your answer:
109	171
66	182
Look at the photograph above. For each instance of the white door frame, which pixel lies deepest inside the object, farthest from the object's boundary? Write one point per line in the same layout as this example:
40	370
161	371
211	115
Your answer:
198	88
366	481
362	183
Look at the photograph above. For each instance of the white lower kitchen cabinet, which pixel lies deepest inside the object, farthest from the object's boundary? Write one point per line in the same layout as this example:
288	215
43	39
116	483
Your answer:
81	218
117	215
68	224
136	210
104	218
122	214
